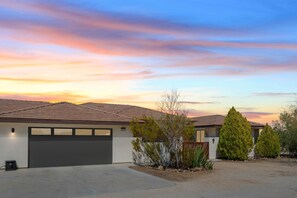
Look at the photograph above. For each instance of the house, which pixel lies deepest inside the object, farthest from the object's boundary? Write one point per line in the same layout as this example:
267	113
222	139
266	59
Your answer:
208	130
43	134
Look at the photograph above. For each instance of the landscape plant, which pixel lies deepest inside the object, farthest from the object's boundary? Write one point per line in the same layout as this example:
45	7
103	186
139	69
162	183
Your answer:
268	144
159	141
235	142
195	158
286	128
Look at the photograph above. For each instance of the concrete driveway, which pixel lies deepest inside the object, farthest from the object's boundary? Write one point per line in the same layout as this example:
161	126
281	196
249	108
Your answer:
264	178
78	181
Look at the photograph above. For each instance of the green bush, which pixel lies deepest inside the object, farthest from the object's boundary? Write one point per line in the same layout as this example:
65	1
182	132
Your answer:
268	144
195	158
286	128
236	140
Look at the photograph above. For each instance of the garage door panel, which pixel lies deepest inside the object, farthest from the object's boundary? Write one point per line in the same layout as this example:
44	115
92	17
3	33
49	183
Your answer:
48	151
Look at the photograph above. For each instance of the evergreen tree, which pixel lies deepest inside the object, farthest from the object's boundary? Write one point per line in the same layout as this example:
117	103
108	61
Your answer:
236	140
268	144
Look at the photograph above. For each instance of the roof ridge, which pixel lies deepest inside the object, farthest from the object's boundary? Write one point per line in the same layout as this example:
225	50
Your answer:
24	100
95	109
104	103
29	108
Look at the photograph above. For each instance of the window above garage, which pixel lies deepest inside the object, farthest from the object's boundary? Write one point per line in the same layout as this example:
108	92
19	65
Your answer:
35	131
102	132
83	131
41	131
63	131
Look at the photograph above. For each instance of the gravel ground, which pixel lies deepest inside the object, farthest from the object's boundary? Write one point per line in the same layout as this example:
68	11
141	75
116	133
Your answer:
257	178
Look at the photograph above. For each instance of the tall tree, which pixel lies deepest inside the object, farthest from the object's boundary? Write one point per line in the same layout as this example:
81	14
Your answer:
170	131
236	141
268	144
174	124
286	128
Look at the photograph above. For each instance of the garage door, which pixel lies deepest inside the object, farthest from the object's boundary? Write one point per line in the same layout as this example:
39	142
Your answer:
49	147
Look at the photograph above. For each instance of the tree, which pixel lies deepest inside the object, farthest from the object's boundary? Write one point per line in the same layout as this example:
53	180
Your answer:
236	140
147	128
170	130
286	128
174	124
268	144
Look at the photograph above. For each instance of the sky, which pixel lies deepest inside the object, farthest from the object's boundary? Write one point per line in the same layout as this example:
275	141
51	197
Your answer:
216	54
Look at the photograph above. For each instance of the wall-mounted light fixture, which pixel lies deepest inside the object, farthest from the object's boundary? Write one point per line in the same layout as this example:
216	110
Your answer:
12	130
213	140
123	128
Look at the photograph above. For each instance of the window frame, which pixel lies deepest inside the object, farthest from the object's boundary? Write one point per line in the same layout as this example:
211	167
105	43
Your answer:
91	129
110	130
30	131
52	130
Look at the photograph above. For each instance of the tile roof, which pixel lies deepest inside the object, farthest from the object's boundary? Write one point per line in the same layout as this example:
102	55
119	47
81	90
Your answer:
126	110
215	120
64	111
7	105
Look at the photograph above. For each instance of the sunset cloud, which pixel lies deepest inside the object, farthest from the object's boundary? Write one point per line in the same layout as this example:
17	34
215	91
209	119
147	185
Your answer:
46	96
130	53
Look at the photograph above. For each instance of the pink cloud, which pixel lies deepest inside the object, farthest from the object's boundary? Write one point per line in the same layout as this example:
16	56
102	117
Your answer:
46	97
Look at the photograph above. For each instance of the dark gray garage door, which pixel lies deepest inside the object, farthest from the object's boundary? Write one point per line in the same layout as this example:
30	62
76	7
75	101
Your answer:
50	147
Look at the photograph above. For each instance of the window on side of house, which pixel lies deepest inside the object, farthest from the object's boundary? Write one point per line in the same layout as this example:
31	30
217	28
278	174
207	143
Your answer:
103	132
40	131
200	135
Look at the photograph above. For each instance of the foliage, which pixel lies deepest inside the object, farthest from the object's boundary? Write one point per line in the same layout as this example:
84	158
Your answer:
268	144
175	125
147	128
195	158
169	131
151	154
236	140
286	128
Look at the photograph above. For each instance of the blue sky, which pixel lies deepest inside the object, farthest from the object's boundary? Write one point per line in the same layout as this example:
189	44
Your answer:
217	54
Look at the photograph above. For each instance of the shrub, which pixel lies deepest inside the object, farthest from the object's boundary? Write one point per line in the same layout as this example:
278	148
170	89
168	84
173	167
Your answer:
195	158
268	144
286	129
154	154
236	140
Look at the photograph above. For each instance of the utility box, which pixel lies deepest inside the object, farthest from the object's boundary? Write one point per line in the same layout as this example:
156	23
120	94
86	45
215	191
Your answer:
10	165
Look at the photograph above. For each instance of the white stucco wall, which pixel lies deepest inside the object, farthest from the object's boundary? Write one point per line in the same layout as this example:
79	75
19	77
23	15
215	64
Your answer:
212	146
122	146
14	146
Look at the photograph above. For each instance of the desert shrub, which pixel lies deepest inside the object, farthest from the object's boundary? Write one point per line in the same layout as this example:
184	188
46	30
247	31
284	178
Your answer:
195	158
268	144
188	158
236	140
154	154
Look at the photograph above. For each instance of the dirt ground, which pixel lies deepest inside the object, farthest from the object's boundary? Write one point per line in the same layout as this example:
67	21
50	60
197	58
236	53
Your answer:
286	164
255	178
171	174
